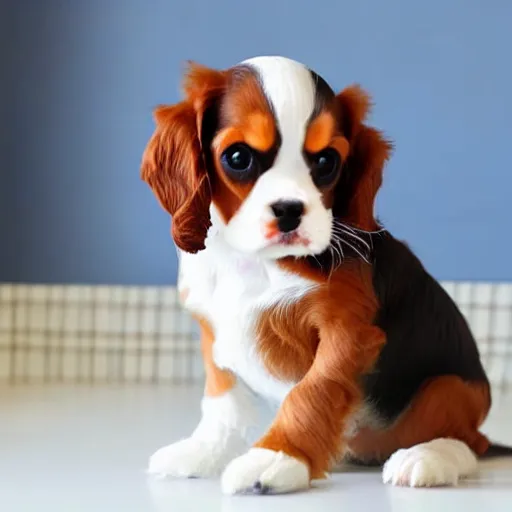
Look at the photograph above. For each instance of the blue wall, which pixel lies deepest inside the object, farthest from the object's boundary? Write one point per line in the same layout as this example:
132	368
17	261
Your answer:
80	79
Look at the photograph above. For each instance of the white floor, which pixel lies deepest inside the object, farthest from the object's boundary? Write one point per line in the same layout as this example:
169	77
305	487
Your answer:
85	449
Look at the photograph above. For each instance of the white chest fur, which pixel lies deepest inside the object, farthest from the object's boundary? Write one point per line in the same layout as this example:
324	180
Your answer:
230	289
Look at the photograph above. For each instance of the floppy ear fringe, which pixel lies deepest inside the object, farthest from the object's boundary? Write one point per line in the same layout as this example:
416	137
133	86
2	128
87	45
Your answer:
173	163
362	172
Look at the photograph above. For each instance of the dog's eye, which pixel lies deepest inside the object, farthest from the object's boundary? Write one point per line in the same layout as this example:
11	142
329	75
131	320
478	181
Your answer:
325	166
239	160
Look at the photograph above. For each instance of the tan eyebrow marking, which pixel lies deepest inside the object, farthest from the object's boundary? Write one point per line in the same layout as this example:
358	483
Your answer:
340	144
258	132
226	138
246	109
319	132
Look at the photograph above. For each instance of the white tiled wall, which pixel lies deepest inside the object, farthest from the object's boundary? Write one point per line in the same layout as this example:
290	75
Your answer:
488	308
140	334
87	333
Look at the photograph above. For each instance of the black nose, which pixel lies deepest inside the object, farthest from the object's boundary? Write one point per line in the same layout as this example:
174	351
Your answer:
288	214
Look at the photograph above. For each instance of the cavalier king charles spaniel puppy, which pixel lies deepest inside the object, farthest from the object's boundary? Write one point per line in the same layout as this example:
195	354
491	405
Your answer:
301	296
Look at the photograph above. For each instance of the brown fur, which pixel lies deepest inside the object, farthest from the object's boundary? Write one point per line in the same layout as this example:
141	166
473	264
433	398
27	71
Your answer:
245	117
247	108
336	344
324	132
218	381
362	172
287	339
444	407
173	163
327	340
174	160
319	132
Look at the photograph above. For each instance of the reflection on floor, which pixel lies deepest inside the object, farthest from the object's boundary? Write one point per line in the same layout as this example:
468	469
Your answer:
77	449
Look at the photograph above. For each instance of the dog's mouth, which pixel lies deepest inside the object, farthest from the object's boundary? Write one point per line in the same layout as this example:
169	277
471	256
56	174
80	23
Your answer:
275	237
292	238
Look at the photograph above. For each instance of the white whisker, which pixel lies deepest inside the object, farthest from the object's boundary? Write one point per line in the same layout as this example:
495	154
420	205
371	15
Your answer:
346	226
357	230
333	264
355	249
338	254
339	240
360	245
358	238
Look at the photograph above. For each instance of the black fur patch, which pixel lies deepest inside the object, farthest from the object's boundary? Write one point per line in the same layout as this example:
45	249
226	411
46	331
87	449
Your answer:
427	336
324	95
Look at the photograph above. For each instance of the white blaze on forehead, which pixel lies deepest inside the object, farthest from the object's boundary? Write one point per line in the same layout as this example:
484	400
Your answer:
290	88
291	92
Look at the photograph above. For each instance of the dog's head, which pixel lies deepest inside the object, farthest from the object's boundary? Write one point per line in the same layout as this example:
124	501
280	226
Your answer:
273	150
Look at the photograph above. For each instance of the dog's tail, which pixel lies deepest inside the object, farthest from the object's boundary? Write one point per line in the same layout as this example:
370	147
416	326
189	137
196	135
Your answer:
497	450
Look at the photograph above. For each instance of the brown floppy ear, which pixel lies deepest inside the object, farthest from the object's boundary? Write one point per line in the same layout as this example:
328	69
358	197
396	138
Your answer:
362	171
173	163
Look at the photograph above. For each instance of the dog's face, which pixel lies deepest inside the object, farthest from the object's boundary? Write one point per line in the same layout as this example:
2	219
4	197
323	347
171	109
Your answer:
277	151
273	150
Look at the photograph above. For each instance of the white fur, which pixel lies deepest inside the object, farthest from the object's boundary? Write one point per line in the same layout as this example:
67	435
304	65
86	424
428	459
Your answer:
274	472
290	89
364	416
219	437
229	289
436	463
235	278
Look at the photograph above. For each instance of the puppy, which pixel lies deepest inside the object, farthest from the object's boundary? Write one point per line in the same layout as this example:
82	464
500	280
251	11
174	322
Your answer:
302	297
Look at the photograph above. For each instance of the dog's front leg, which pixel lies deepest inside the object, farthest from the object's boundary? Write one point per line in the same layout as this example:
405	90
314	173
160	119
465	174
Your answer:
306	435
227	413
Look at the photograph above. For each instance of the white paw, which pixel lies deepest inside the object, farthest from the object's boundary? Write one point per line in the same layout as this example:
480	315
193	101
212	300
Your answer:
436	463
190	458
262	471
